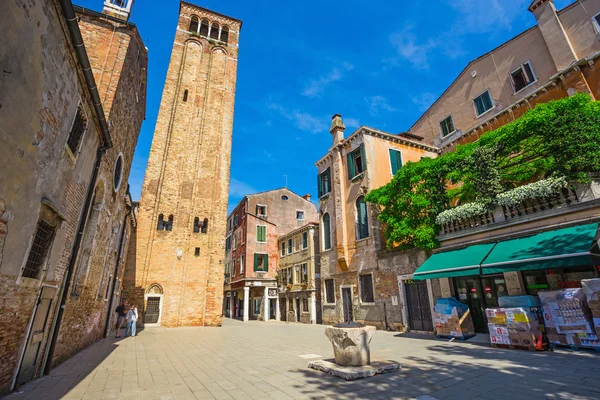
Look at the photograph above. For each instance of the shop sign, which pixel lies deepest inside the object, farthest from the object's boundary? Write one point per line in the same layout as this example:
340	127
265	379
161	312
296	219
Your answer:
488	289
569	284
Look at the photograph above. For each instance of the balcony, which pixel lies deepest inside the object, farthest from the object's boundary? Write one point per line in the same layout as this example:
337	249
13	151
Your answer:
562	201
285	288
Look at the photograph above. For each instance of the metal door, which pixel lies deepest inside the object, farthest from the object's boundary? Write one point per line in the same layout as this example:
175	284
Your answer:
152	310
417	302
29	365
347	304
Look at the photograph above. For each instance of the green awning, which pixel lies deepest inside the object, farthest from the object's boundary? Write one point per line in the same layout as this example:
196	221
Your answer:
462	262
565	247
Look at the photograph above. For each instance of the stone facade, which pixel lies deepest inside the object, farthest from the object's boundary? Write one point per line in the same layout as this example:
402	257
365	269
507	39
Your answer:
346	254
298	273
45	102
187	177
277	212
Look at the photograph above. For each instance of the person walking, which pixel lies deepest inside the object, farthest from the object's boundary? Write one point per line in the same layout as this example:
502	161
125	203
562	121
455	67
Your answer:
121	315
132	317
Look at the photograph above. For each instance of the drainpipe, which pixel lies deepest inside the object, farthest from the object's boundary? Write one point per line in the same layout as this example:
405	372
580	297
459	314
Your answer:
114	280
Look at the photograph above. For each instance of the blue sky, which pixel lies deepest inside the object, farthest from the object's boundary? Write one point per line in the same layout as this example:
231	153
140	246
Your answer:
378	63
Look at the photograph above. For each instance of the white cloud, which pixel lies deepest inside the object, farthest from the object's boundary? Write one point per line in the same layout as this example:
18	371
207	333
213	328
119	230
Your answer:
314	87
302	120
238	189
476	16
424	100
408	48
351	122
377	104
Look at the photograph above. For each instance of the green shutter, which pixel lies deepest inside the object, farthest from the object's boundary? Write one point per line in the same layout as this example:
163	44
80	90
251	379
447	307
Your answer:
266	262
350	161
396	160
328	174
363	159
320	185
255	262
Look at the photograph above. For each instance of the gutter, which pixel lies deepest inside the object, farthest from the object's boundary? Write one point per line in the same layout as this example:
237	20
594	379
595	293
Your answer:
83	10
82	58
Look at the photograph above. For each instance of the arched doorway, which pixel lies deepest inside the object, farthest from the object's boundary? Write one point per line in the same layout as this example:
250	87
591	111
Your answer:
153	299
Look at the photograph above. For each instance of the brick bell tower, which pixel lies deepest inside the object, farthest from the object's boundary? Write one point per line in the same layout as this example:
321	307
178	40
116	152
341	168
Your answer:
180	238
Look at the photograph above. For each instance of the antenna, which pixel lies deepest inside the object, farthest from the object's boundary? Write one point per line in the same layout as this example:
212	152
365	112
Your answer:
285	180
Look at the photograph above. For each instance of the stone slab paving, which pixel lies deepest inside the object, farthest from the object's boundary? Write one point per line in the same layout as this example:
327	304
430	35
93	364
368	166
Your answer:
261	360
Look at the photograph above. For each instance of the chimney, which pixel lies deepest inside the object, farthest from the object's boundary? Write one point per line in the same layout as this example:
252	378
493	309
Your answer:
337	129
554	34
118	8
307	197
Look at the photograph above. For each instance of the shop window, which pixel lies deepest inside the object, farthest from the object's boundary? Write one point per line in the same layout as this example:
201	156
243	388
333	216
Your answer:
329	291
557	278
366	289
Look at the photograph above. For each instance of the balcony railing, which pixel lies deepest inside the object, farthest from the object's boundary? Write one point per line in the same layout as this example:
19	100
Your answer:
527	209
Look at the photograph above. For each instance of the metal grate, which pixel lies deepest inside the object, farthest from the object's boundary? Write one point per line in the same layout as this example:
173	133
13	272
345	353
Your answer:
152	310
39	248
77	131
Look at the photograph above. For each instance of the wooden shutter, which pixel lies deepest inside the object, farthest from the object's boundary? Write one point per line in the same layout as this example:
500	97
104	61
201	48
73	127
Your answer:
320	185
266	264
255	262
396	160
363	159
350	162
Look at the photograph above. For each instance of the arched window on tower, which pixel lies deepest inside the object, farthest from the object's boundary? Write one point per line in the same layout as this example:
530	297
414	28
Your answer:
161	223
205	225
194	24
225	34
196	225
204	27
185	94
169	224
214	31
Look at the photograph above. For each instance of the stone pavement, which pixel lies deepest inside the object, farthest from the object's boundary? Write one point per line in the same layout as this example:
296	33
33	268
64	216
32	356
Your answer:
269	361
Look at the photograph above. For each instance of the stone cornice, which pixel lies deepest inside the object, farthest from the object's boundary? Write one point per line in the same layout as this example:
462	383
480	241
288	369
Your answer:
304	228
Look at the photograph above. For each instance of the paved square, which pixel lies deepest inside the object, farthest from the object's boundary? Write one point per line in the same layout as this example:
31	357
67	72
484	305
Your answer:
269	360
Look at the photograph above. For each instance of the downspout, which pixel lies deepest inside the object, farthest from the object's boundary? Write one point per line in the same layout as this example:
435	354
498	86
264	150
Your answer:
114	280
84	62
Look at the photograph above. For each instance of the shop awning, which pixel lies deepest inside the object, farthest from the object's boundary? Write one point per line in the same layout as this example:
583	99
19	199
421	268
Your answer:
462	262
565	247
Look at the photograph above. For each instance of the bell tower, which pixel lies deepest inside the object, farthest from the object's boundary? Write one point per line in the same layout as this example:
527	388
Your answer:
183	208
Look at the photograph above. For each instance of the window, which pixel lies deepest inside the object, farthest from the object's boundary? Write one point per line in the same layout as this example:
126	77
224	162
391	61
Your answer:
235	220
205	225
329	291
366	289
284	197
118	173
193	24
44	233
395	160
522	77
196	225
290	276
185	95
483	103
283	249
77	131
447	126
362	221
233	267
197	252
169	224
299	214
596	22
290	246
356	162
256	306
261	262
305	304
204	27
305	240
227	243
225	34
324	182
261	233
297	277
261	210
304	273
161	222
214	31
234	244
326	232
242	264
296	243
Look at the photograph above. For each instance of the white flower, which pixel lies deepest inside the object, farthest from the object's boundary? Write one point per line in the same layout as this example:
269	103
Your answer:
461	212
544	188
